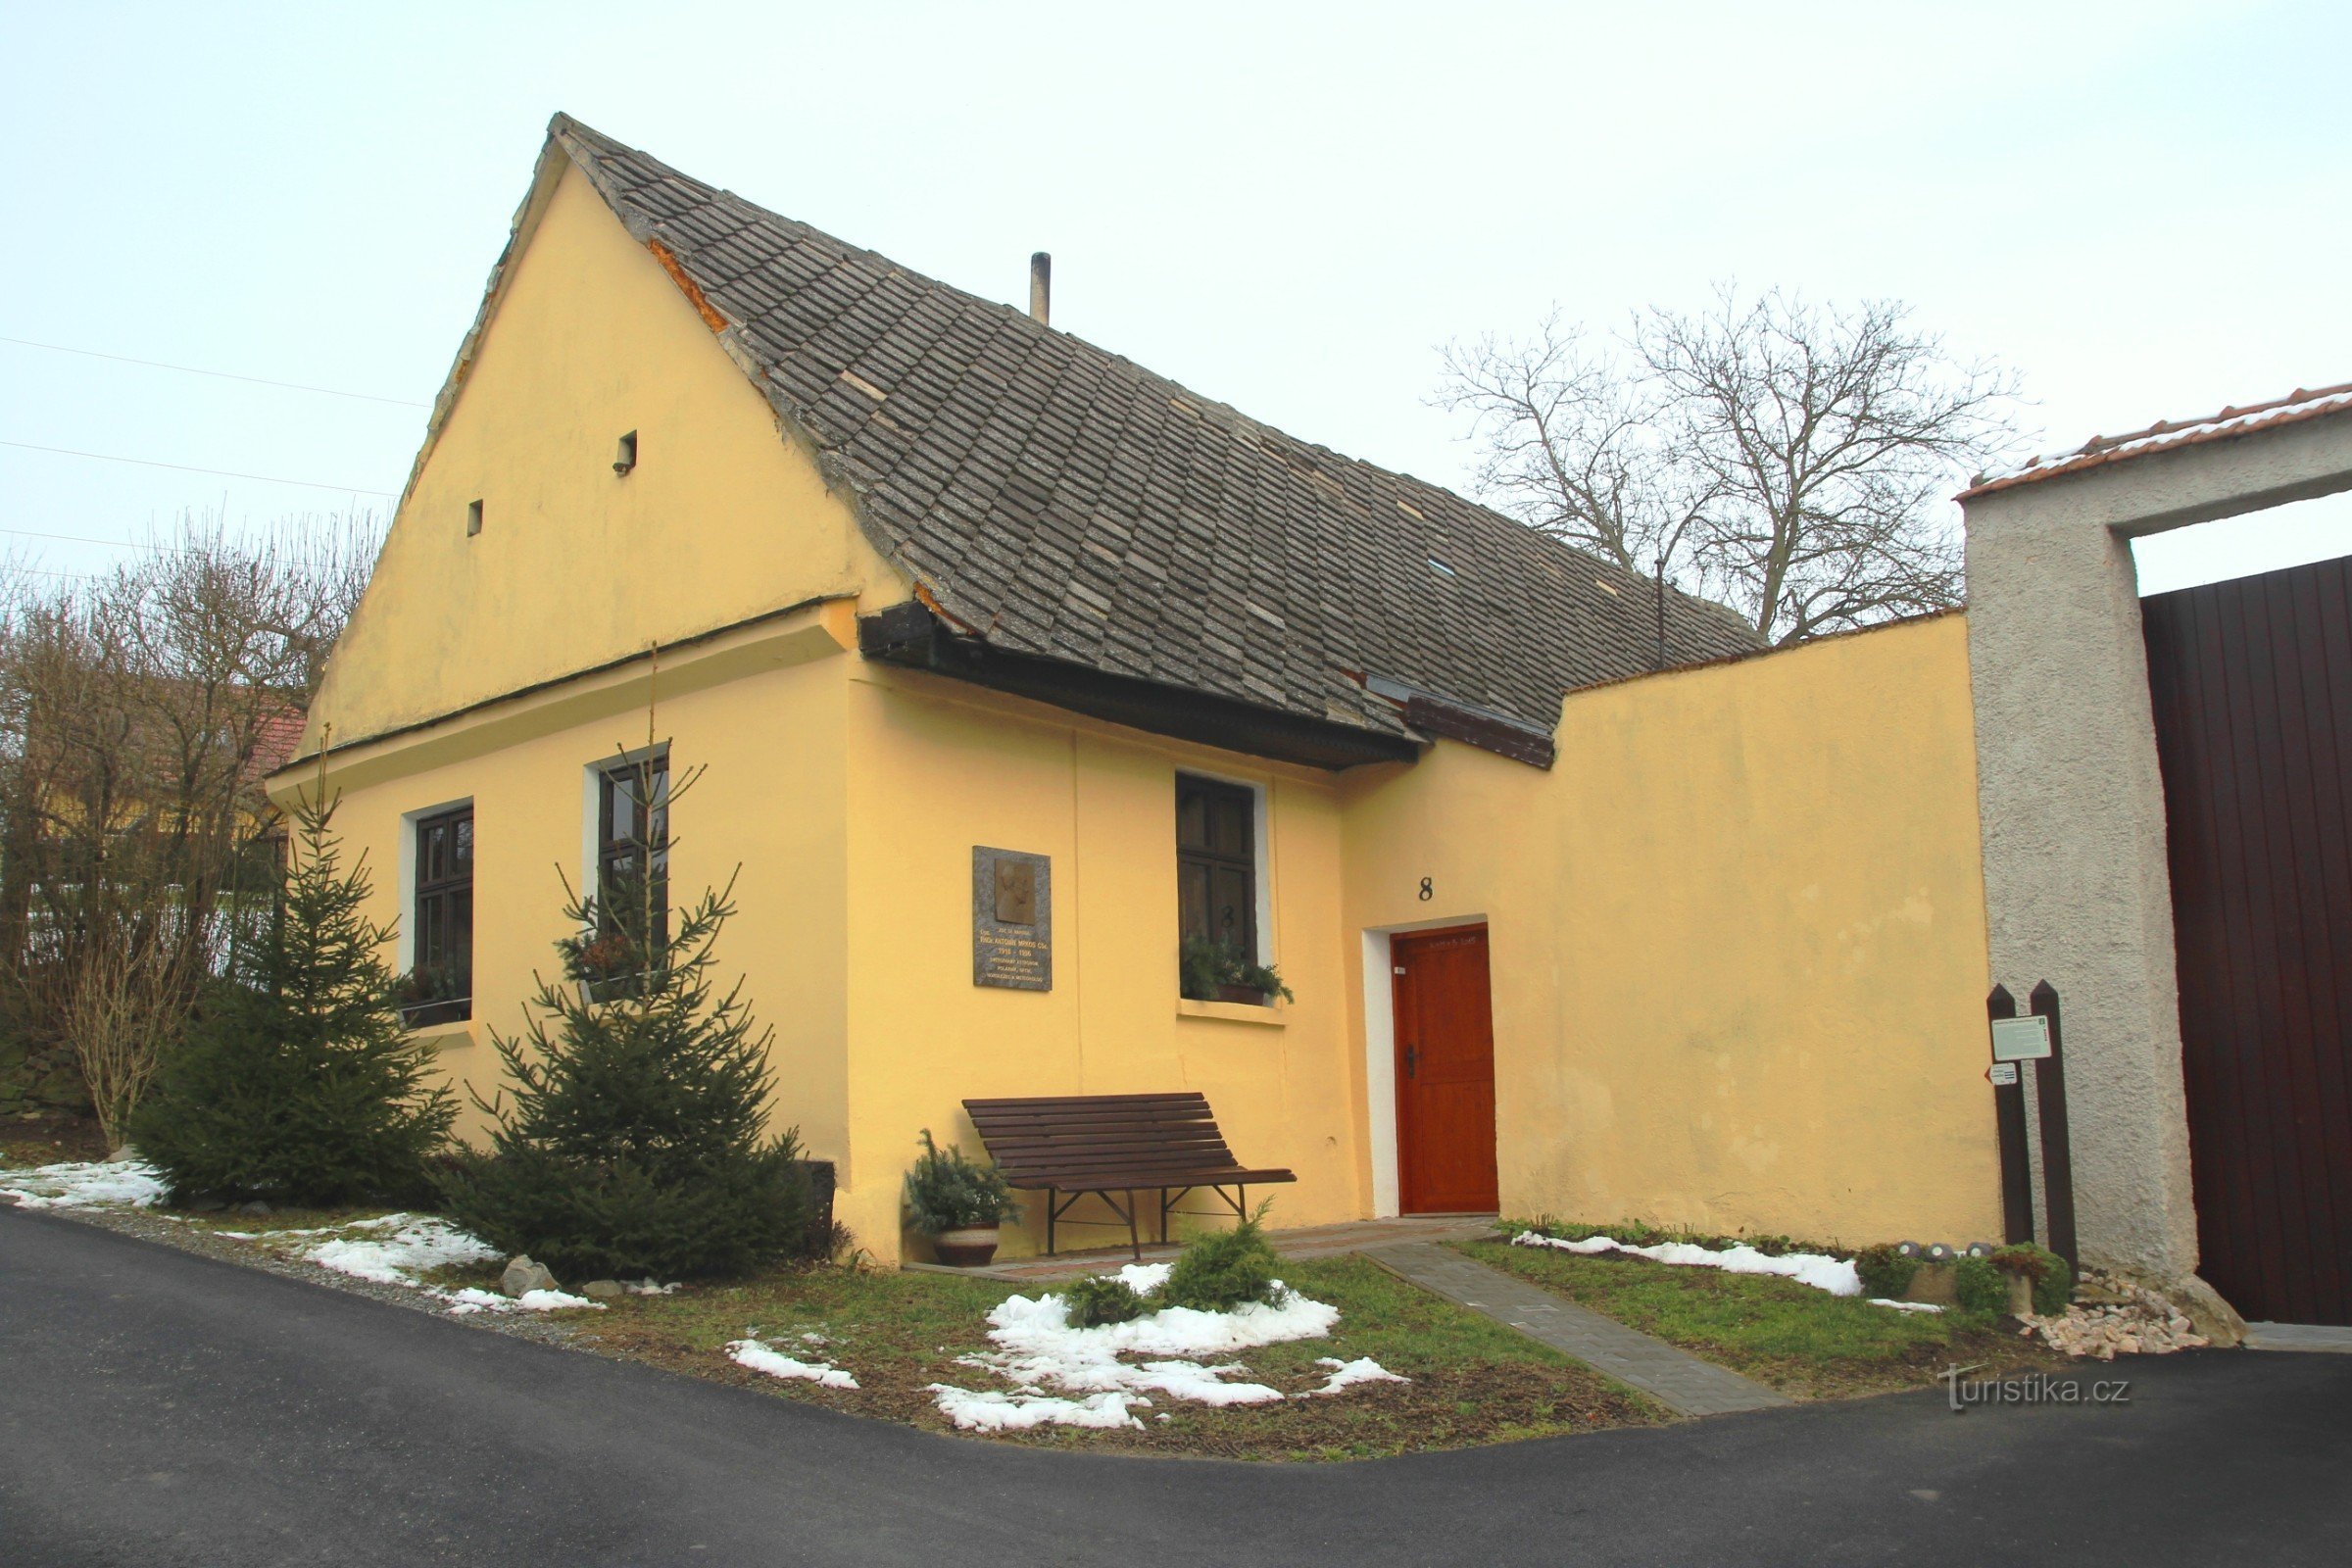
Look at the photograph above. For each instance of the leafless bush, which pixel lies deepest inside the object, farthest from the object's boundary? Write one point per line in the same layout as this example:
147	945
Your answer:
139	711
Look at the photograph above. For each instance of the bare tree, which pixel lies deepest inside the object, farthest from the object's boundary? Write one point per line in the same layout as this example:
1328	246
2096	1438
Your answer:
1789	460
139	711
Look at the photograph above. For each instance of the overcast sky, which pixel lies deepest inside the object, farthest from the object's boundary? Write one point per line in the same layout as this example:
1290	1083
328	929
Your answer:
2144	208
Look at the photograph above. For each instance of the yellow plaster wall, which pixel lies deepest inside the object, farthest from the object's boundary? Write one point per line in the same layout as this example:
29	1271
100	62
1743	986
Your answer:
723	517
1738	936
771	802
937	769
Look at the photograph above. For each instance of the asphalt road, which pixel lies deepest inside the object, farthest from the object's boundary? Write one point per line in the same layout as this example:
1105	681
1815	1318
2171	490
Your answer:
161	1409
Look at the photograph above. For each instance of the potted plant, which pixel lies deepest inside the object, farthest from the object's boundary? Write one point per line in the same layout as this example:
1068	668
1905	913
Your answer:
1214	971
958	1204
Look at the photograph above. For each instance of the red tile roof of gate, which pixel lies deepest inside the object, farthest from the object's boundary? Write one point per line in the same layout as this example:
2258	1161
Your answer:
2166	434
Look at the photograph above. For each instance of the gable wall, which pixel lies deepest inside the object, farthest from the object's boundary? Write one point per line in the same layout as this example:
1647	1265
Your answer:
723	520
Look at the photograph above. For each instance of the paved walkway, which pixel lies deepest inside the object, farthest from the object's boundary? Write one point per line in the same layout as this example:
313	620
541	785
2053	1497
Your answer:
1676	1378
164	1410
2299	1337
1313	1241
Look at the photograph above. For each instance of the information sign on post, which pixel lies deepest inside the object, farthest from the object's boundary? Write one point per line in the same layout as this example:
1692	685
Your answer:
2024	1039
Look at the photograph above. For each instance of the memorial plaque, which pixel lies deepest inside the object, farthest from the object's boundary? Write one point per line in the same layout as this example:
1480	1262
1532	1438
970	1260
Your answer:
1013	919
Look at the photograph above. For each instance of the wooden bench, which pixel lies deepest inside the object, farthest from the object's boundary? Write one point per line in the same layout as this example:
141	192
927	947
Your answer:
1098	1145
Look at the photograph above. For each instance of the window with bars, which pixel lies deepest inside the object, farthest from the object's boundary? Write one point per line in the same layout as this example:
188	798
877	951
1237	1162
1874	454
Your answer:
441	980
1216	865
632	869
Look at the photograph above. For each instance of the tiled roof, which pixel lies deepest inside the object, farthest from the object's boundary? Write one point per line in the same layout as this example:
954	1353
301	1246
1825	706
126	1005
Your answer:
2167	434
275	739
1054	499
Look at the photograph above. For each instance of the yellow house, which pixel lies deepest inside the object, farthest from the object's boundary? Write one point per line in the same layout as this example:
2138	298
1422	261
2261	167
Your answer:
1586	907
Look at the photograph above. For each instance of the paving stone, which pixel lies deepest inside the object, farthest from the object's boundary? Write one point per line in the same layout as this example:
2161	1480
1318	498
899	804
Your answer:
1675	1378
2299	1337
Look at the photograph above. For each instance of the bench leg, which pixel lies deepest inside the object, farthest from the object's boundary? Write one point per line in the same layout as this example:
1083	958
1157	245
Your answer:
1135	1242
1051	1217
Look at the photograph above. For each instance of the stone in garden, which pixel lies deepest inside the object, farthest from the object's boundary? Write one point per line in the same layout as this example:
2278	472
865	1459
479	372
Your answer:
1933	1284
602	1289
205	1205
257	1208
525	1275
122	1156
8	1200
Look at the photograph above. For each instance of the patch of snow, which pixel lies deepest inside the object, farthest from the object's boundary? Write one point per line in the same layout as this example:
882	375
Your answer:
94	1184
471	1299
986	1410
1347	1374
1145	1278
419	1241
1038	1350
553	1302
760	1358
1834	1275
1906	1306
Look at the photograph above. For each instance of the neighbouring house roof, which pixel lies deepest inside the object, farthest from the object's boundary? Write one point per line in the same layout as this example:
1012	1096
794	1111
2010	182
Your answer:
274	741
1053	499
2167	434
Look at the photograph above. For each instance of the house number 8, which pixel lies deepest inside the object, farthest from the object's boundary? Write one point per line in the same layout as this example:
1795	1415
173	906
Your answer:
1426	891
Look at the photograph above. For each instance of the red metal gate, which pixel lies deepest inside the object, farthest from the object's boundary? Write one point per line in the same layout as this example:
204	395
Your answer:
2251	683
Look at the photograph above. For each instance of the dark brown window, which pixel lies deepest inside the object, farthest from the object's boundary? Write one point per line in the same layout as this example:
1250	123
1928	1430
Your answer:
442	980
1216	863
632	849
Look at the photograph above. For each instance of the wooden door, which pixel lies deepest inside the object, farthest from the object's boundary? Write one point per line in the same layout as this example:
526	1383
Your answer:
1445	1072
2251	687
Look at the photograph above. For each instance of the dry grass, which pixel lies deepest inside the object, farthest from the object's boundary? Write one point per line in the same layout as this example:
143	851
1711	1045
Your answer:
1474	1381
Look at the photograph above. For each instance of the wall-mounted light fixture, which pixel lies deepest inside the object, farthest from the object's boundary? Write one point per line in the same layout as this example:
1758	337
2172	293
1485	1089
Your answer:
627	459
473	519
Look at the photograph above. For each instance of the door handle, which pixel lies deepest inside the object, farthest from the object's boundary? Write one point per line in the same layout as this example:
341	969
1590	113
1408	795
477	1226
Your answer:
1412	1055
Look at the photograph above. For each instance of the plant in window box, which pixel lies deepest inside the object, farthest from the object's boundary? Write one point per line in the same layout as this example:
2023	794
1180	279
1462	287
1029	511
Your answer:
1214	971
958	1204
432	994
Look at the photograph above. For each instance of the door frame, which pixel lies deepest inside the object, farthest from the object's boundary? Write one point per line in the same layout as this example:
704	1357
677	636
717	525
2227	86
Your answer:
1380	1052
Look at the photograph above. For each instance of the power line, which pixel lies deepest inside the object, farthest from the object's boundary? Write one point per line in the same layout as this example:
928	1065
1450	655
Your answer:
225	375
78	539
220	473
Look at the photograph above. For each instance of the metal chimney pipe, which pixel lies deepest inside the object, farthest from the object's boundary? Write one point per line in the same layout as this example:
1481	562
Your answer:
1041	288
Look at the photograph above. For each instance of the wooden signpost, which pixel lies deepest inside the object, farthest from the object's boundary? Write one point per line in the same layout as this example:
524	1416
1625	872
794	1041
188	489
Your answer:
2033	1044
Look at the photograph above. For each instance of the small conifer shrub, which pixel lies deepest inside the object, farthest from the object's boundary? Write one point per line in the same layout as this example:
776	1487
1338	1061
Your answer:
1100	1298
629	1138
1224	1269
296	1082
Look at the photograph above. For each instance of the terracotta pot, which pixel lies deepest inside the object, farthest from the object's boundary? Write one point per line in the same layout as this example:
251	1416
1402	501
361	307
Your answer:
1245	994
969	1248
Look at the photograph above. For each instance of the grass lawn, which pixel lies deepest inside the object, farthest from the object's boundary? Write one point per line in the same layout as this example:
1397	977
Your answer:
1806	1342
1474	1381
